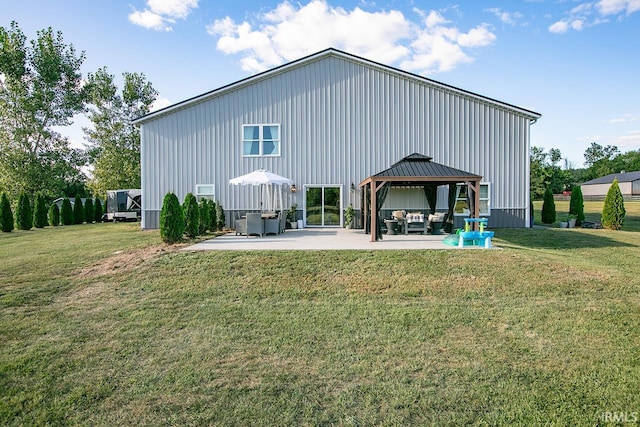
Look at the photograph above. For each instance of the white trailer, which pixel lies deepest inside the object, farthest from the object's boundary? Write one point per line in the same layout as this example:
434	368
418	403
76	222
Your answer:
123	205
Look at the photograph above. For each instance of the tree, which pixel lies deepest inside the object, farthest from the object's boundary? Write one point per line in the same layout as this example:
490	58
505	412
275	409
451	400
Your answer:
54	215
114	143
600	161
205	219
6	216
40	212
213	219
88	210
40	88
613	211
220	216
171	219
66	213
97	210
576	204
545	172
548	207
24	215
78	211
191	215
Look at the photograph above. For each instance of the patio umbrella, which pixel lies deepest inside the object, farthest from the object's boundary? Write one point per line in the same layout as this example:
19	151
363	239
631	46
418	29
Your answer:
265	180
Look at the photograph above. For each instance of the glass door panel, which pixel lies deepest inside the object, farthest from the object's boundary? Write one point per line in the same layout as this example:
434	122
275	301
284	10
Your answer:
313	206
331	211
323	207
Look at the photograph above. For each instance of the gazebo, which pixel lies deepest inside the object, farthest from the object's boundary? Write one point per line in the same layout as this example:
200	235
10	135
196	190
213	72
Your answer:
416	170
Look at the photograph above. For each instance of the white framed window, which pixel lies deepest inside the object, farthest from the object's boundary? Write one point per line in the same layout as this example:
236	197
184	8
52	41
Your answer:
205	190
462	207
261	140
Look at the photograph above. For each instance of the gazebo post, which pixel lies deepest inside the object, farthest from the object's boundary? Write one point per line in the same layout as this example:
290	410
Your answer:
374	210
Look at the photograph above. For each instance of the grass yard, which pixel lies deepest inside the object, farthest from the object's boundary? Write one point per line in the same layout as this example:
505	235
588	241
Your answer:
104	325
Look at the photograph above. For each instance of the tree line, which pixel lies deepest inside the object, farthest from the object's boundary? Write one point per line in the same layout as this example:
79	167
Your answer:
41	89
550	170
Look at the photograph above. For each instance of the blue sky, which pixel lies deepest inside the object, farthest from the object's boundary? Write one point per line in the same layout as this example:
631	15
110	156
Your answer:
576	62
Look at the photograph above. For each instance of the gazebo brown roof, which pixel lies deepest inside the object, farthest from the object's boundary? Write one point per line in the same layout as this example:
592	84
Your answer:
418	169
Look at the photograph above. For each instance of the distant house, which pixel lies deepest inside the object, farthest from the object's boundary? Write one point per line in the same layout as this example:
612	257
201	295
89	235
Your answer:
328	121
629	183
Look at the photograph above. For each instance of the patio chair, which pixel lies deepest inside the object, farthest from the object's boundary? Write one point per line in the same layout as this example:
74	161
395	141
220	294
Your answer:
282	215
272	226
240	225
254	224
435	222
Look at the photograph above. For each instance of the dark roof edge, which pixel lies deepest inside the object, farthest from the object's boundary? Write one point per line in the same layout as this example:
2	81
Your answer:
534	116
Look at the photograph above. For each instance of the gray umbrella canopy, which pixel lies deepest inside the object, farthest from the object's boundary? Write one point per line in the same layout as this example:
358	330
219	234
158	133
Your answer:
266	180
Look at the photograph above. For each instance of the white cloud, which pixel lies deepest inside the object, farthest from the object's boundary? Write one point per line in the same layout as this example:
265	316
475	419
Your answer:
160	14
627	118
614	7
159	104
291	31
628	141
510	18
582	15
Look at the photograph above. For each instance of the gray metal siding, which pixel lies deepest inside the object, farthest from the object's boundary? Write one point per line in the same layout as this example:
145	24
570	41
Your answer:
341	121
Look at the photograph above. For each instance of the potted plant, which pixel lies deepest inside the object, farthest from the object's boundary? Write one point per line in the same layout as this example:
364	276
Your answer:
571	219
291	216
349	214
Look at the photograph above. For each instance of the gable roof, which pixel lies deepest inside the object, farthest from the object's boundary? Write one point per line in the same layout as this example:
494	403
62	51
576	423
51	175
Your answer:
331	52
608	179
419	168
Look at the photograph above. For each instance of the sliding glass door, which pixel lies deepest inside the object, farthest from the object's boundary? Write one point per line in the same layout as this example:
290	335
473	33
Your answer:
323	206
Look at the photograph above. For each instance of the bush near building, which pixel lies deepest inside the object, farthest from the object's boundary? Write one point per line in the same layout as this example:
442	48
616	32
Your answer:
24	215
88	211
613	211
54	215
191	215
97	210
66	213
78	211
40	212
548	208
171	219
576	204
6	215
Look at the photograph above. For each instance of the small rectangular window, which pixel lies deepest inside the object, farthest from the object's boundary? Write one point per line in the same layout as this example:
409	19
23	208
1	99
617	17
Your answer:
462	205
260	140
205	190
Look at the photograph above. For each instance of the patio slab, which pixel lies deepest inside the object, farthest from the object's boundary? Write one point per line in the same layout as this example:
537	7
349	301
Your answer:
313	239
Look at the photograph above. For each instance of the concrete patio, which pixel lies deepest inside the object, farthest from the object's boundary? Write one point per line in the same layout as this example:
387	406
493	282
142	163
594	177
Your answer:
322	239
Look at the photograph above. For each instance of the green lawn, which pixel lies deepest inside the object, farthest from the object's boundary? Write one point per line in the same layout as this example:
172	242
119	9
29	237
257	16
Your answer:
103	325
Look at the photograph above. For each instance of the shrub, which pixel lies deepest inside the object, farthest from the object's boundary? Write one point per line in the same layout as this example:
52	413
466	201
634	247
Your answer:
97	210
6	215
78	211
205	221
66	215
576	204
213	217
40	212
54	215
88	211
220	219
548	208
25	215
613	211
171	219
191	215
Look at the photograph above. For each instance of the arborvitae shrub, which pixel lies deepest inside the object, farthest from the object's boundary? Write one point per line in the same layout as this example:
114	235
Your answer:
576	204
171	219
88	211
25	215
548	208
220	216
78	211
204	215
213	217
66	214
191	215
613	212
6	215
40	212
97	210
54	215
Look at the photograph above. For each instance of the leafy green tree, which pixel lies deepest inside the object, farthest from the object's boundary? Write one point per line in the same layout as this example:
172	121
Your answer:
548	208
600	161
114	143
66	213
613	211
213	219
171	219
191	215
40	212
88	210
78	211
220	216
576	204
54	215
24	214
97	210
40	89
6	215
545	171
205	219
